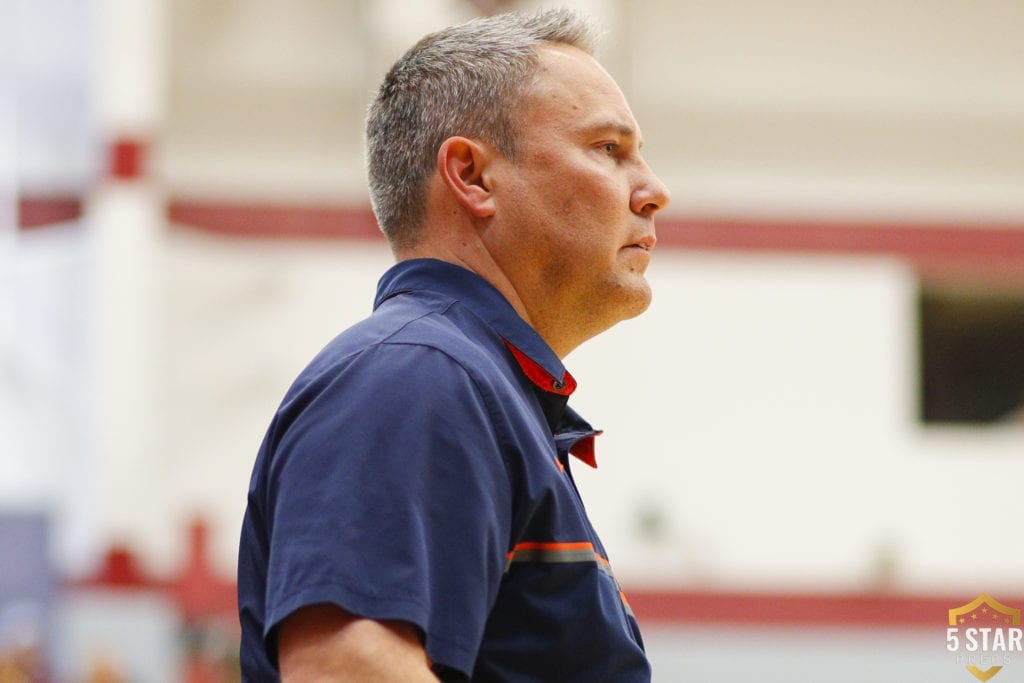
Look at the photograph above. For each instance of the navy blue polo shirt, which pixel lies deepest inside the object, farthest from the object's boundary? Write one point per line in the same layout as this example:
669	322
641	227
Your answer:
418	470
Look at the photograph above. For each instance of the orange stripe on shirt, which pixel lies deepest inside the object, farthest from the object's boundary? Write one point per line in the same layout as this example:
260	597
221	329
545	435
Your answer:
540	545
558	547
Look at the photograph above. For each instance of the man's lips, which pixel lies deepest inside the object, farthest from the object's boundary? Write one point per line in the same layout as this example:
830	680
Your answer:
646	243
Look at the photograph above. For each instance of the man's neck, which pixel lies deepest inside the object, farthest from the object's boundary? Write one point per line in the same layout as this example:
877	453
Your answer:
477	261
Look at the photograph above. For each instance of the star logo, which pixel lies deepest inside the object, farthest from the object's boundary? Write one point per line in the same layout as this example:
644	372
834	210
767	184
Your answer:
987	630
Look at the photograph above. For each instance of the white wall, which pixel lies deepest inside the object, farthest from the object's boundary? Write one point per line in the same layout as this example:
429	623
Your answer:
851	107
764	410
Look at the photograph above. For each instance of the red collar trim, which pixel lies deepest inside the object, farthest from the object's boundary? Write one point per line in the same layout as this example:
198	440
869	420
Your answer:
584	450
541	377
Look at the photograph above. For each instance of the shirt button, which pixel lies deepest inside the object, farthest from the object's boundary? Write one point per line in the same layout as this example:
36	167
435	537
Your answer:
556	385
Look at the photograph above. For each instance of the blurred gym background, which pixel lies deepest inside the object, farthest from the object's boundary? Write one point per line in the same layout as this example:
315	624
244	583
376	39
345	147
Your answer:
814	439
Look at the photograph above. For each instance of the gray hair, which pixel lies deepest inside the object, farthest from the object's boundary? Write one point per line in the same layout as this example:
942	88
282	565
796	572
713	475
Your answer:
464	80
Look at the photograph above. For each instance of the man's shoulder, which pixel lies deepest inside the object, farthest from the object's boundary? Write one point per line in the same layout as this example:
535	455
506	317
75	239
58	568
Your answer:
414	335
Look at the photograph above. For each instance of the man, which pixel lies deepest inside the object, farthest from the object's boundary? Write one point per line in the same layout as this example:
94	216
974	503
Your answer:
412	515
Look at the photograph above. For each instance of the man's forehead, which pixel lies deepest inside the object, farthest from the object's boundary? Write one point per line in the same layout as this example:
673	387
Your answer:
570	78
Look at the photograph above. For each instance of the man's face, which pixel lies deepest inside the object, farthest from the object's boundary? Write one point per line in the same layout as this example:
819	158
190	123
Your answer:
576	211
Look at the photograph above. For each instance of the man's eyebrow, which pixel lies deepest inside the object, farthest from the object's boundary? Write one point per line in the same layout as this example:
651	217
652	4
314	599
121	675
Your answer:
623	129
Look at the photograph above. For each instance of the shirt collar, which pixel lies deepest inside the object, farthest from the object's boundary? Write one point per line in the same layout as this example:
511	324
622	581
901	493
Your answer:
535	357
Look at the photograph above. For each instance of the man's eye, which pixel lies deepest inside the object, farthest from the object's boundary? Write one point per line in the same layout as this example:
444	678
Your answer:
610	147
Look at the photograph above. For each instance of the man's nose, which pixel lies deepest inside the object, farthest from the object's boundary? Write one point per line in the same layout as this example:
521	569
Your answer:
650	195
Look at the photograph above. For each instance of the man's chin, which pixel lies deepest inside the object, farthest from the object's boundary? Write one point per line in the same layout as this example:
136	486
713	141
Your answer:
637	299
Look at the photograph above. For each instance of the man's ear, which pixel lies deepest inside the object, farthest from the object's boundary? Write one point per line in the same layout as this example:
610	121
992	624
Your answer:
464	168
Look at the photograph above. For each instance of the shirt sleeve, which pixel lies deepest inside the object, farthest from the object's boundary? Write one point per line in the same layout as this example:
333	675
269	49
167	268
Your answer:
388	496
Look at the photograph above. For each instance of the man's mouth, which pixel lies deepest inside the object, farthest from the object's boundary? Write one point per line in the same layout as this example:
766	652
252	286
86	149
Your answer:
646	243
